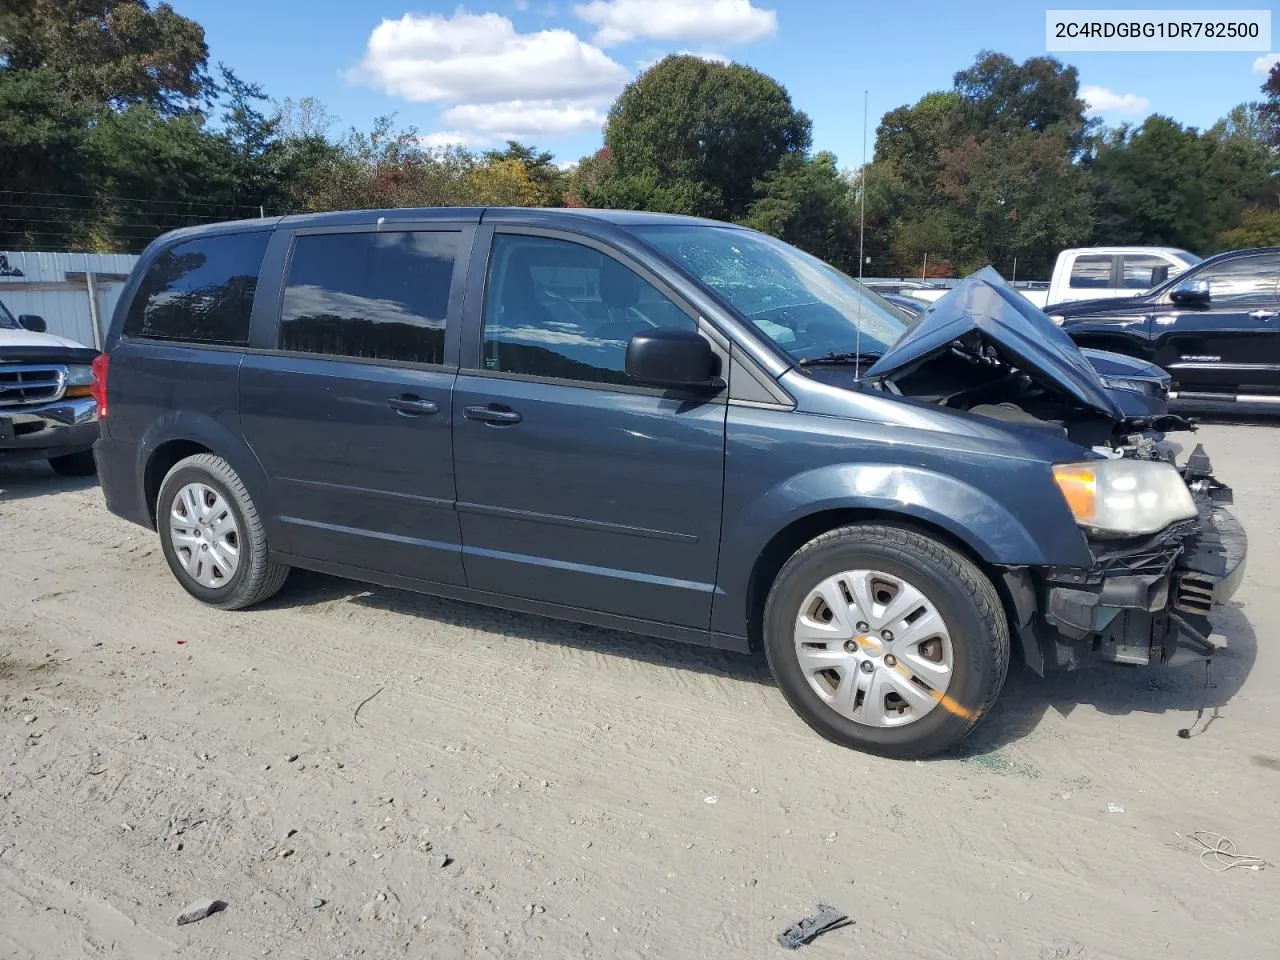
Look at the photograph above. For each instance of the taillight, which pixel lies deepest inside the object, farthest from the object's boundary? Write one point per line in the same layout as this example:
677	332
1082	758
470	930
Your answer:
99	390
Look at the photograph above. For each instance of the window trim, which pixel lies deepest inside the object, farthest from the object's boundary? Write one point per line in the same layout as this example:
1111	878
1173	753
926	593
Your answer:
137	289
265	337
1197	273
471	358
1113	277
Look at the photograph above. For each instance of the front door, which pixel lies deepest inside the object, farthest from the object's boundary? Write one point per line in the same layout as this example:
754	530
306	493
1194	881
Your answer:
1230	344
576	486
350	415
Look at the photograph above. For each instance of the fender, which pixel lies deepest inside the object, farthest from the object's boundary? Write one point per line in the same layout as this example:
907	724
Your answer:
987	527
205	430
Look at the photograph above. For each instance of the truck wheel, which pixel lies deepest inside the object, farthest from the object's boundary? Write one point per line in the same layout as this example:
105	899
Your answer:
74	464
212	536
886	640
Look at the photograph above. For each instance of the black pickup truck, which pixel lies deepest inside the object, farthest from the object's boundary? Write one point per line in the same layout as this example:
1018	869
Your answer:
1215	327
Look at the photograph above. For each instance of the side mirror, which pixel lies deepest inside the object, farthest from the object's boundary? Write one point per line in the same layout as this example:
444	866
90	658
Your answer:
673	357
1191	292
30	321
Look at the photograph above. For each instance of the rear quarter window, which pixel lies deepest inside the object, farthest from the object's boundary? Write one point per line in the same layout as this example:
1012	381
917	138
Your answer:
1091	273
200	290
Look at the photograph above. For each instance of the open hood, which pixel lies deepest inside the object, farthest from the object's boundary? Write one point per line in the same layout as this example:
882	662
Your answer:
1021	334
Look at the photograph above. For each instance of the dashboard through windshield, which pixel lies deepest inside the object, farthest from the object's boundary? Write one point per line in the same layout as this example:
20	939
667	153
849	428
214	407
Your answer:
805	306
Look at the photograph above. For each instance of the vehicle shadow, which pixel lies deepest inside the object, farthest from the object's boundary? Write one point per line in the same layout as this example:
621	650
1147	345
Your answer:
1184	691
23	479
305	588
1022	706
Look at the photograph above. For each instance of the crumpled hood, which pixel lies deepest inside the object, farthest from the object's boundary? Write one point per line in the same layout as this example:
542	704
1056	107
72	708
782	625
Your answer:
1021	333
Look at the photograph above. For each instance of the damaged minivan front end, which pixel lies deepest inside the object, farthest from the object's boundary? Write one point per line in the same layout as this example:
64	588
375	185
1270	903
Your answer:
1165	550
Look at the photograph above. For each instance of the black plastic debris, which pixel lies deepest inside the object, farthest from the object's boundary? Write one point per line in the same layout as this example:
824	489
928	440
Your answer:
804	931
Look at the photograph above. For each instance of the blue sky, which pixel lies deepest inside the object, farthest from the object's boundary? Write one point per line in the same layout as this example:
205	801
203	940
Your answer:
545	71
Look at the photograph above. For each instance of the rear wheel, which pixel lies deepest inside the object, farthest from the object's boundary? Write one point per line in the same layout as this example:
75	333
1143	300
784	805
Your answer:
886	640
212	536
74	464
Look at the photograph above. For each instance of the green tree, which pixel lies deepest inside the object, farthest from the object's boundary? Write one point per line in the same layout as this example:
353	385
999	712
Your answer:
47	164
808	203
115	52
698	136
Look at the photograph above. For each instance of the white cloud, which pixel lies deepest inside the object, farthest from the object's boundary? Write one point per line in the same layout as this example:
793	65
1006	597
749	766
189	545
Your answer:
708	55
443	139
1265	62
1102	100
515	119
480	58
521	4
724	21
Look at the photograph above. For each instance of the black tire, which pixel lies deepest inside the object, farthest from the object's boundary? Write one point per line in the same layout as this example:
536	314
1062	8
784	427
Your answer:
959	591
257	577
74	464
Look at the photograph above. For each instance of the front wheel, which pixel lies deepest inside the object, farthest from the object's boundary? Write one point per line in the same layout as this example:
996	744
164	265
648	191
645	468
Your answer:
886	640
212	536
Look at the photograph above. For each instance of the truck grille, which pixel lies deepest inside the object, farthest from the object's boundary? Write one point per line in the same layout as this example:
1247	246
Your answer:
22	384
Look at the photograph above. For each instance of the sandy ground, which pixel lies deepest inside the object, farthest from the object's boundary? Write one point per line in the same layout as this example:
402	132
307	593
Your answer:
599	795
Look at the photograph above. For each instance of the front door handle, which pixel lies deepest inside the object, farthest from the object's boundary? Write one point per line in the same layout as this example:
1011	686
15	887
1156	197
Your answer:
1263	314
494	413
412	406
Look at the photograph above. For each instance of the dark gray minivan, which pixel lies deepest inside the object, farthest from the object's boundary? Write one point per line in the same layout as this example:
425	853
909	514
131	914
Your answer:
666	425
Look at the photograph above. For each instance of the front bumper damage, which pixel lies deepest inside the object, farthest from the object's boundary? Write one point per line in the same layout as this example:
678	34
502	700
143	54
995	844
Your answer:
1143	602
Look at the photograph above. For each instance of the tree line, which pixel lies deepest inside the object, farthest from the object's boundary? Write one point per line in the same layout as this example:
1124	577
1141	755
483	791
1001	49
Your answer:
115	127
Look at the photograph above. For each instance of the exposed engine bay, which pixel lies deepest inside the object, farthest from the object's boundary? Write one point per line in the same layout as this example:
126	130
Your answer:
971	375
1146	598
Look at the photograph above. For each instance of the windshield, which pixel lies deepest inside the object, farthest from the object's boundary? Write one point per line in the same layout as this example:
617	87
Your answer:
6	318
1190	259
809	309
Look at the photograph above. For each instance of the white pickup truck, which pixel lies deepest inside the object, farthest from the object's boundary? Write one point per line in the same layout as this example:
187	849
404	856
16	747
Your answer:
1092	273
1082	273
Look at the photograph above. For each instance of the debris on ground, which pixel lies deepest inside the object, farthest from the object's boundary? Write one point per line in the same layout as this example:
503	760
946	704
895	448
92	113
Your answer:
199	909
1115	808
805	931
1218	853
318	902
441	860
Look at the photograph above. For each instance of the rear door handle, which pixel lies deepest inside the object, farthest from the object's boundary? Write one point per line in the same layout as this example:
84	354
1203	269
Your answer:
493	413
1263	314
412	406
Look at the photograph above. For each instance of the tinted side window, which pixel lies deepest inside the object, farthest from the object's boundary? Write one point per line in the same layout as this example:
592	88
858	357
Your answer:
559	309
1091	273
1246	278
381	296
1143	271
201	290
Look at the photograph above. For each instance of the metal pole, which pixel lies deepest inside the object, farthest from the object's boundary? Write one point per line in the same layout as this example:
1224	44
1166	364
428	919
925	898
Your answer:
1014	278
924	270
91	282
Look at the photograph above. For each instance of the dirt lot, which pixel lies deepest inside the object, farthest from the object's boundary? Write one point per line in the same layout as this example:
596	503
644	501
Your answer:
598	795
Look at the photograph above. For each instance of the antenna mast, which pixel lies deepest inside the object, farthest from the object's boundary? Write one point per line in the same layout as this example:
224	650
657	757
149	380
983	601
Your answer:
862	234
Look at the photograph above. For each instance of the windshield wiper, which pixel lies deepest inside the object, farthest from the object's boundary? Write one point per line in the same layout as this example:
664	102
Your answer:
833	359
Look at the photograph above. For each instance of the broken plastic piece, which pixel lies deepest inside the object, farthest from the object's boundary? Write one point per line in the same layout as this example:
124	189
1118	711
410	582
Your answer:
804	931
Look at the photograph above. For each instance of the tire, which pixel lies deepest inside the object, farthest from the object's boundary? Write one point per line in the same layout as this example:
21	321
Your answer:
879	560
74	464
254	576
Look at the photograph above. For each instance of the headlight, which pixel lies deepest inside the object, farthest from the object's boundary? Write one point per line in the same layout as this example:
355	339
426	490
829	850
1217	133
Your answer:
79	380
79	375
1122	383
1124	497
1058	319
